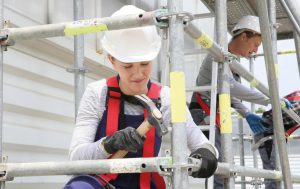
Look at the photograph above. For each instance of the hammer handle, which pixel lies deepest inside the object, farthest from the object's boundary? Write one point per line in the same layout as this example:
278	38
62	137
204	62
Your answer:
142	130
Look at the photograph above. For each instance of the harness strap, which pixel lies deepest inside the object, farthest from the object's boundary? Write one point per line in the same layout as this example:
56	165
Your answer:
148	150
113	113
291	130
113	100
206	108
293	98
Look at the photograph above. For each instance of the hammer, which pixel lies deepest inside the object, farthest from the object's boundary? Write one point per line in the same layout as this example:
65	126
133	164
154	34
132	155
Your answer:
154	118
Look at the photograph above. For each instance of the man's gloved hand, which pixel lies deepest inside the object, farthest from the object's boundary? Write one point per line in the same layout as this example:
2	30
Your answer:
126	139
209	163
256	123
286	103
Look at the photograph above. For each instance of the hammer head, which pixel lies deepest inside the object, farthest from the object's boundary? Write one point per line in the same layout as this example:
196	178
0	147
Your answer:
154	115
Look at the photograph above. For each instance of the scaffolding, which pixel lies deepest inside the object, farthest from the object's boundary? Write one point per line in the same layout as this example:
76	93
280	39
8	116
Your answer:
176	22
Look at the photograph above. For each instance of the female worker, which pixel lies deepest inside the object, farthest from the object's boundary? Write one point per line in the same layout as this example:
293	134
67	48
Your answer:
108	117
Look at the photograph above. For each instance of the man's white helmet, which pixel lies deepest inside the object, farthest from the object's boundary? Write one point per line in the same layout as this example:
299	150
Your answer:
134	44
247	23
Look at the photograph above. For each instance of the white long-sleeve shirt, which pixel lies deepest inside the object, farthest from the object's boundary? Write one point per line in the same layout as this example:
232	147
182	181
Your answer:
90	114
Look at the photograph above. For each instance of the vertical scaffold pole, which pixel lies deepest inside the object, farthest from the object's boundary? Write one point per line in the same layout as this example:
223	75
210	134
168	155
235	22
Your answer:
178	106
163	61
254	153
213	110
272	80
163	58
1	88
272	19
224	93
98	14
79	70
297	45
251	69
242	148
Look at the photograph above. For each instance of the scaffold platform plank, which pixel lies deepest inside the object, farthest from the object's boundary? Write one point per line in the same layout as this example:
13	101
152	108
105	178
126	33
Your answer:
238	8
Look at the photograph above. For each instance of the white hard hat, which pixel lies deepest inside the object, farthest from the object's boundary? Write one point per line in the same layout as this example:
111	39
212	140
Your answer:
134	44
247	23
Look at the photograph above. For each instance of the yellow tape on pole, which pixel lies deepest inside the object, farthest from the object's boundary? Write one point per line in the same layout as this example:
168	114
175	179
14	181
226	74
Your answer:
205	41
276	71
282	104
225	113
254	83
291	137
83	27
287	52
240	116
178	106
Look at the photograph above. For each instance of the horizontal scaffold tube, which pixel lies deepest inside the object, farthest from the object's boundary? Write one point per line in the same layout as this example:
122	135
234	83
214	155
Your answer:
79	27
127	165
205	41
236	67
223	168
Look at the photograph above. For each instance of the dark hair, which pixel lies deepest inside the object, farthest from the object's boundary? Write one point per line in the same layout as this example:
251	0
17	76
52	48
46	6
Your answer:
249	34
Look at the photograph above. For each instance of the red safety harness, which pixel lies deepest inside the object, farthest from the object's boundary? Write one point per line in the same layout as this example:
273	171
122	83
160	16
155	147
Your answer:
295	96
206	108
113	109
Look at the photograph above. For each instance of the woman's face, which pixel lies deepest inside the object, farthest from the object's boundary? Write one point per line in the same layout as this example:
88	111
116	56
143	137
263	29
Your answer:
134	77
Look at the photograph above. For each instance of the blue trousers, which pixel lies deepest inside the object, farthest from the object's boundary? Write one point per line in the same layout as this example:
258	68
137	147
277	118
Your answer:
268	156
84	182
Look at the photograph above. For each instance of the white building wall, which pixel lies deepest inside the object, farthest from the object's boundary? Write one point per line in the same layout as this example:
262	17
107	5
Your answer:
38	115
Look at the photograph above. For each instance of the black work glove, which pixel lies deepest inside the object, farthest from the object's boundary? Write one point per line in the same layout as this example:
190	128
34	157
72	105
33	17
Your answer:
126	139
209	163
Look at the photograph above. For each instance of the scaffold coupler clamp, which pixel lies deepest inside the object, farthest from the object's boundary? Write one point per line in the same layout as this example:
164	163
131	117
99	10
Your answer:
78	70
233	172
162	20
3	170
229	57
163	16
276	25
256	181
165	166
194	165
4	37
